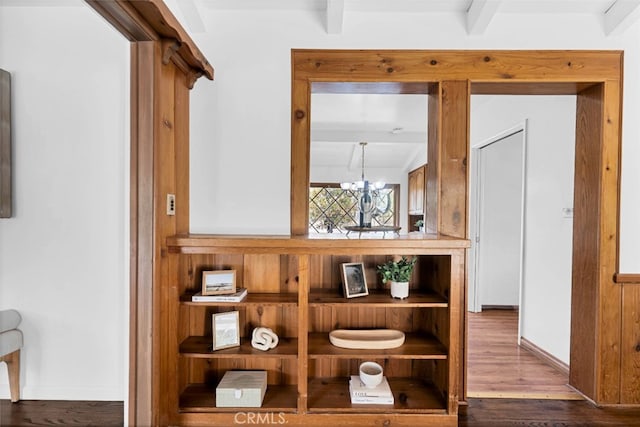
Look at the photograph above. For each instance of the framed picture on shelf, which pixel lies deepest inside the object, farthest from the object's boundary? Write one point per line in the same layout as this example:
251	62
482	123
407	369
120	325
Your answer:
354	280
220	282
226	330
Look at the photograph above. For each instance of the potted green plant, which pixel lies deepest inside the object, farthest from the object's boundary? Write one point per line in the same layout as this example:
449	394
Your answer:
420	224
397	273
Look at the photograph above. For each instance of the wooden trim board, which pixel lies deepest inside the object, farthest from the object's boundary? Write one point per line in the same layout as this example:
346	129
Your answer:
630	279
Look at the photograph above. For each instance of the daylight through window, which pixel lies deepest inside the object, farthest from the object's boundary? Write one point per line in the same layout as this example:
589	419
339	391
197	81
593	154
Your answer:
331	208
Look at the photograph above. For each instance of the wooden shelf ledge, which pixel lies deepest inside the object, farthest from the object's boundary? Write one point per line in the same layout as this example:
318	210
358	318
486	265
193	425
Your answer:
202	398
410	244
416	346
411	396
253	298
377	299
197	347
627	278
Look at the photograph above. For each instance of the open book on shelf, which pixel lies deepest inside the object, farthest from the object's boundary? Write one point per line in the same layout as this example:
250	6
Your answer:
238	296
381	394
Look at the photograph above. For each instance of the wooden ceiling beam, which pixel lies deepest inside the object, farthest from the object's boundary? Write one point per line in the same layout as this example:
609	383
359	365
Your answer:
620	16
335	16
480	14
192	15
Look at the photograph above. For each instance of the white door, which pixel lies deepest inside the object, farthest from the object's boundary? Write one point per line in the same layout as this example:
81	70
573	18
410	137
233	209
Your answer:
500	221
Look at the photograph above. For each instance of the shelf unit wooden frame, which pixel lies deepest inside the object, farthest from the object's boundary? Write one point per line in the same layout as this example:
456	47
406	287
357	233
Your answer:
295	287
605	363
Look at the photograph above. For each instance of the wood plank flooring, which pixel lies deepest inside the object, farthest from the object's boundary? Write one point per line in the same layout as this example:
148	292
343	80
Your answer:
544	413
479	413
61	413
498	367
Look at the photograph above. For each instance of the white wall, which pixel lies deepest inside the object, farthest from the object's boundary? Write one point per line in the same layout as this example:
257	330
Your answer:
64	255
243	116
550	140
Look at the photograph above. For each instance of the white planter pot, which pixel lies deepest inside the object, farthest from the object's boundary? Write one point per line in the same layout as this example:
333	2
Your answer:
400	289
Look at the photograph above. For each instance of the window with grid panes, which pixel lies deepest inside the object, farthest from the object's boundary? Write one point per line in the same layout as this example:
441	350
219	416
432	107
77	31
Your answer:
331	208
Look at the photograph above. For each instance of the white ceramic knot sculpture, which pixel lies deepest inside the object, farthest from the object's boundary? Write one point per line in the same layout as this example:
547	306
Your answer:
264	339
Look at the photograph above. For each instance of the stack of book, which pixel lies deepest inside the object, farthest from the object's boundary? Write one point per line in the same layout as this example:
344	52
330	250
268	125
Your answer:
235	297
379	395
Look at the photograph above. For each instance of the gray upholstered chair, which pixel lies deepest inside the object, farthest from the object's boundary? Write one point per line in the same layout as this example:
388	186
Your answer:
10	345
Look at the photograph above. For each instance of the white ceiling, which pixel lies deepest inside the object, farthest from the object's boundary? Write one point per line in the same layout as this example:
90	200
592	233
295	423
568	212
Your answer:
340	122
394	126
436	6
616	15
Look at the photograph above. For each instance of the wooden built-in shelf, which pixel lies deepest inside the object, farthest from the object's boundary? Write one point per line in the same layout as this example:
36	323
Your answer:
414	243
284	299
410	396
202	398
295	286
200	347
415	346
377	299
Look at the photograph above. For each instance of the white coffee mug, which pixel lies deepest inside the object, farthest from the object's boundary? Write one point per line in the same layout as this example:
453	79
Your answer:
370	374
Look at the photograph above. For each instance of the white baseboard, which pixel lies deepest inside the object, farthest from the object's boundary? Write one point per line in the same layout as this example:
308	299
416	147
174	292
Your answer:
547	358
66	393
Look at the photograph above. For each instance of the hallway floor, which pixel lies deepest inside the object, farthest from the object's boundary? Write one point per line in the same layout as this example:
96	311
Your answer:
498	367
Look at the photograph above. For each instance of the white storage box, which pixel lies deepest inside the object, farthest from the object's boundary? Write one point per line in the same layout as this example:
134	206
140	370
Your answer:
243	389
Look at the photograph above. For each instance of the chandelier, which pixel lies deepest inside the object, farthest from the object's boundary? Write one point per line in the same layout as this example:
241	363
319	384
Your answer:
371	200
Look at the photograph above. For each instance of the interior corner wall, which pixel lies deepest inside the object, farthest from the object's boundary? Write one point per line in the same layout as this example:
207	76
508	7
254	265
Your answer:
550	158
64	254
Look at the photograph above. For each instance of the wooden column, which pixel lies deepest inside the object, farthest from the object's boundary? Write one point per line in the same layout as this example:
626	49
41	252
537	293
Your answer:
141	229
447	180
300	156
165	63
434	149
596	310
448	149
155	154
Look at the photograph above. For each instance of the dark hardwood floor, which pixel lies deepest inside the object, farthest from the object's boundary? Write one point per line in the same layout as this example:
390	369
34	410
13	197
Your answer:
61	413
479	413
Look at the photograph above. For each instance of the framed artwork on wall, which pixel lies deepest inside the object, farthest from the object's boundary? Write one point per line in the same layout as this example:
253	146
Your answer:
5	144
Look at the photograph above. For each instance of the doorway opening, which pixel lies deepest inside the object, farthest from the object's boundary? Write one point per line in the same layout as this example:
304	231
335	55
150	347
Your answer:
521	199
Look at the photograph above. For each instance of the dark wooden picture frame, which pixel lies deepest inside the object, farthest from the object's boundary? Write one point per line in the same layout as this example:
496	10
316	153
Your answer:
5	144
